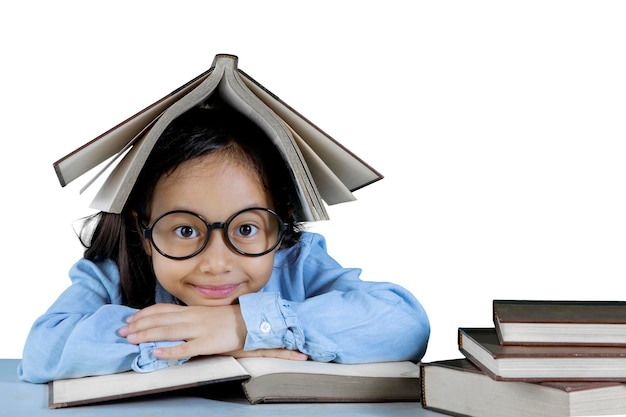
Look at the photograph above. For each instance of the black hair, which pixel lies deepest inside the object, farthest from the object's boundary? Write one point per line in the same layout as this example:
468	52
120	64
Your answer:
196	133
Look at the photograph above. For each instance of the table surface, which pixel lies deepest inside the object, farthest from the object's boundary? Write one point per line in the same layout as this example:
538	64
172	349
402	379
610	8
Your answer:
24	399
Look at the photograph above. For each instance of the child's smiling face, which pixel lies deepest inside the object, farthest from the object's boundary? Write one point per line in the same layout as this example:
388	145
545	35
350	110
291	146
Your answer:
214	187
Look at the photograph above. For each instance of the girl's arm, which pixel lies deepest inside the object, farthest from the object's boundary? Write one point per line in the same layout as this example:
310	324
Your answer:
78	335
313	305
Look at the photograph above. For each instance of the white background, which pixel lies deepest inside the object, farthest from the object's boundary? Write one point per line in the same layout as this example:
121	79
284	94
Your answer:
499	126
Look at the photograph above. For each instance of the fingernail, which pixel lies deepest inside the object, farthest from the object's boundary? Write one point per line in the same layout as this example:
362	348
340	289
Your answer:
123	331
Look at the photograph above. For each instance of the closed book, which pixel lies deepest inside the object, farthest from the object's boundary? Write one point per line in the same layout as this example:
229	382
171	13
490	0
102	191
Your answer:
547	322
457	387
541	363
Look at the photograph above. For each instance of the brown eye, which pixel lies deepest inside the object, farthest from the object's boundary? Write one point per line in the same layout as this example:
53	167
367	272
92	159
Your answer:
186	232
246	230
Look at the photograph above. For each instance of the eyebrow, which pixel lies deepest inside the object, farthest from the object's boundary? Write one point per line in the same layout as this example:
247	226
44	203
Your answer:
207	218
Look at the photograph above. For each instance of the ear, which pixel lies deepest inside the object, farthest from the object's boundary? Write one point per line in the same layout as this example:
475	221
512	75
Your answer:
147	247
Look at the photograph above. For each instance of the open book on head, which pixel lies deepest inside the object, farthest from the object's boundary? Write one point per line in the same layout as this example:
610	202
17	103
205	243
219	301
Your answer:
264	380
323	170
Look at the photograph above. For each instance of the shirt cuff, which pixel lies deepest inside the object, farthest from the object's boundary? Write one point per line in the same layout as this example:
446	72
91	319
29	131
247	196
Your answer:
270	322
147	362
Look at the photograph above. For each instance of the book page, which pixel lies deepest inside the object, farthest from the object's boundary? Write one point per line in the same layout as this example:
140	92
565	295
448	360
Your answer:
332	189
352	170
126	384
263	366
113	194
117	139
235	93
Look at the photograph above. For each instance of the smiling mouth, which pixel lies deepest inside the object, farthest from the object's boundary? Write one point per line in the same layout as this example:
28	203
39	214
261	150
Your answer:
216	291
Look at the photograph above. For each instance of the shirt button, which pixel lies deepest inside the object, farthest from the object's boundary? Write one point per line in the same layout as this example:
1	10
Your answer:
265	327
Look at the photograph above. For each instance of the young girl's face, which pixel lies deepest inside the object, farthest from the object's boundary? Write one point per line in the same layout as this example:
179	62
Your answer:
215	188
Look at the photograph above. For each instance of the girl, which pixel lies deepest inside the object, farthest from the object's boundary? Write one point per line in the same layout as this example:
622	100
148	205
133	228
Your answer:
206	258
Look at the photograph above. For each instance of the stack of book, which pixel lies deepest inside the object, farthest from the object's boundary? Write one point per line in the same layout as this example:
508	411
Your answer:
541	358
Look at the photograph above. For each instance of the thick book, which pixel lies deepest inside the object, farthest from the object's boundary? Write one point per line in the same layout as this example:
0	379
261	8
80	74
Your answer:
263	380
541	363
323	170
547	322
457	387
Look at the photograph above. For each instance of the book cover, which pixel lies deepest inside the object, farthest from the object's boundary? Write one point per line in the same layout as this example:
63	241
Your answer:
540	363
323	171
458	387
560	322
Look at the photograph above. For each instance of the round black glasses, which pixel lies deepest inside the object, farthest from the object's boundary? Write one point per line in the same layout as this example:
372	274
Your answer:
183	234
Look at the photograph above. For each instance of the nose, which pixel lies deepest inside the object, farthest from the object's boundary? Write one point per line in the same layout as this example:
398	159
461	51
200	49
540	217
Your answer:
217	257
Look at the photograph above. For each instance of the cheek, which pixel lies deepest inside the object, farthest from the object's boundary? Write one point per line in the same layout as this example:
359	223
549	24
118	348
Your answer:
168	273
259	271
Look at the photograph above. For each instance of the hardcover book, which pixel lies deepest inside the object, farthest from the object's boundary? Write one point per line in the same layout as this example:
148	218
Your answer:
541	363
458	387
560	322
323	170
263	380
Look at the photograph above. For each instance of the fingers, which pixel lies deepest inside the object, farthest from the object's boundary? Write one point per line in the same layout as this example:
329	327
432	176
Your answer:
174	352
171	333
185	350
153	310
293	355
158	322
206	330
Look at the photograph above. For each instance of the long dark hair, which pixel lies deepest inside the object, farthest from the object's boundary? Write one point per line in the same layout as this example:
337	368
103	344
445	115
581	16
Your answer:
196	133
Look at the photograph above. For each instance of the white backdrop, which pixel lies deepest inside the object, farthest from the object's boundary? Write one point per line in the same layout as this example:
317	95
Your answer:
499	127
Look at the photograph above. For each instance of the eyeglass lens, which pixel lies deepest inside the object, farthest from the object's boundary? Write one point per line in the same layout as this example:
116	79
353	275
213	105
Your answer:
250	232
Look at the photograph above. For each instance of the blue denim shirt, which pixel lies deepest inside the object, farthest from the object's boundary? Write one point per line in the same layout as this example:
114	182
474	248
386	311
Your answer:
310	304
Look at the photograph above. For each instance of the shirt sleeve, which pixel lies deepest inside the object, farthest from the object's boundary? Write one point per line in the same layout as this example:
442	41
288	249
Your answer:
315	306
78	336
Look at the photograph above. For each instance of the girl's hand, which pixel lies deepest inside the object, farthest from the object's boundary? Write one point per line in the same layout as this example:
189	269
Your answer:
205	330
293	355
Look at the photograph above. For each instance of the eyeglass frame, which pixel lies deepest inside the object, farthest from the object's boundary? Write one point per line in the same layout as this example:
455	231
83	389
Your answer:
147	233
